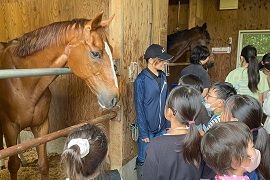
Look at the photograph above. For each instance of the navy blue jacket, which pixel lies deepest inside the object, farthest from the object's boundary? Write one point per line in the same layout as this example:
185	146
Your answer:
150	102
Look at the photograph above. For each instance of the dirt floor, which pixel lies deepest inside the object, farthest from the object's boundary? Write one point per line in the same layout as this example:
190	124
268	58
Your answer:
30	171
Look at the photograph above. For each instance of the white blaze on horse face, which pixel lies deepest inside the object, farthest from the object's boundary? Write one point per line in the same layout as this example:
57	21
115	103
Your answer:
107	48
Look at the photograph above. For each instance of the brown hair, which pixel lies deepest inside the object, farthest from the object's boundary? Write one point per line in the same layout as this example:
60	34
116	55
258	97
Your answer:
223	142
88	165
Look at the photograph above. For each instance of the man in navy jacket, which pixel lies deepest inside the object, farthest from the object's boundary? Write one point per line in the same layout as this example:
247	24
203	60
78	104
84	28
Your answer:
150	93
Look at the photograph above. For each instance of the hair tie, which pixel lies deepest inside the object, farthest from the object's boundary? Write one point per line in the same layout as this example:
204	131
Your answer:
83	145
174	112
191	122
256	129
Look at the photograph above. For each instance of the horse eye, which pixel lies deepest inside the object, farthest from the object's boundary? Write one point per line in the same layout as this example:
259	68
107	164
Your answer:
96	55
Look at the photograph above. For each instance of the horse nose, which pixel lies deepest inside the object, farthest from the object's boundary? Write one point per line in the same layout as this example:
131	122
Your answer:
108	102
114	101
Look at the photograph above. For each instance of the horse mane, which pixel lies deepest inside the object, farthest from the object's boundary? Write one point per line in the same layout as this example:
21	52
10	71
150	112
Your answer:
173	38
44	37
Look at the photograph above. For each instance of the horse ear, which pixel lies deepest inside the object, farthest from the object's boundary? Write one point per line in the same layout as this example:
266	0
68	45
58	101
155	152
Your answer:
94	23
106	23
204	26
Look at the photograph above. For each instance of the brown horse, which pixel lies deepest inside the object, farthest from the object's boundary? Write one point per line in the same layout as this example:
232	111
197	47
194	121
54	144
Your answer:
81	45
183	41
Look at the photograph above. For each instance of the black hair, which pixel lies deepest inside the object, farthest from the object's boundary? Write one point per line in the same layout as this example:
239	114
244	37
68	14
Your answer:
248	110
223	142
249	52
193	81
185	102
223	90
199	53
266	58
88	165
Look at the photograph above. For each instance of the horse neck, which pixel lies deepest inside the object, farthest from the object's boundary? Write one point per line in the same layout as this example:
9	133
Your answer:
180	49
48	58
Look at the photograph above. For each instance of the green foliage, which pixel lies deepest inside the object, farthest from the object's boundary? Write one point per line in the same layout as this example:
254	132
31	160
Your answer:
259	40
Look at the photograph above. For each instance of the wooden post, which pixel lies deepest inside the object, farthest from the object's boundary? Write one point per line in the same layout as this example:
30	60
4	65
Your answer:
160	22
116	36
195	13
49	137
192	13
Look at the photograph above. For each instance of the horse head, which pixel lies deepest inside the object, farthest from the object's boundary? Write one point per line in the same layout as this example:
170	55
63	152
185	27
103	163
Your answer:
90	58
202	37
183	41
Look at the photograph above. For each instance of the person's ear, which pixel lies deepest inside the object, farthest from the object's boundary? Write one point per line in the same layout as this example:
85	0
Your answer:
242	59
220	103
235	164
151	60
107	157
168	113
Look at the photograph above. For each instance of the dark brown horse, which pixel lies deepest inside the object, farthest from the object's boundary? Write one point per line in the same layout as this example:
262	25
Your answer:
183	41
81	45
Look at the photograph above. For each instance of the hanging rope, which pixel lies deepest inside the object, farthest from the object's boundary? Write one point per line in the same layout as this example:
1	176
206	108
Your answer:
178	16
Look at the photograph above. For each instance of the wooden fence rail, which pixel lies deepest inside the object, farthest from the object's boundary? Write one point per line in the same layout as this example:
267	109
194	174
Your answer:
49	137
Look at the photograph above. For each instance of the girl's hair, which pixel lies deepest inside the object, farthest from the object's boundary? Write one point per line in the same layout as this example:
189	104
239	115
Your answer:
193	81
266	58
186	102
199	53
248	110
223	142
250	54
88	165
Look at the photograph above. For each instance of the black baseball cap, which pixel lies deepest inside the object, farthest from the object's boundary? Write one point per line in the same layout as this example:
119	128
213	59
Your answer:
157	51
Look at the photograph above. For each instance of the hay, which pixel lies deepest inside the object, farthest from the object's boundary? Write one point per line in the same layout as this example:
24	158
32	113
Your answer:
30	172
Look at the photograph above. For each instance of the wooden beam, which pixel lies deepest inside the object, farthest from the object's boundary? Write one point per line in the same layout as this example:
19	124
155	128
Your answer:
49	137
192	13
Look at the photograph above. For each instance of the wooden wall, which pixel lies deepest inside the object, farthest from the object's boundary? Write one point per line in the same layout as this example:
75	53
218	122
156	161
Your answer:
250	15
148	25
222	24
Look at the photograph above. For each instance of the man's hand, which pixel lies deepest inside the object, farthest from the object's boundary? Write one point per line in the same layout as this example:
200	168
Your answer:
146	140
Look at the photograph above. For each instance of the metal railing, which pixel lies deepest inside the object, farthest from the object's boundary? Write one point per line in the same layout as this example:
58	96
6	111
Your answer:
16	73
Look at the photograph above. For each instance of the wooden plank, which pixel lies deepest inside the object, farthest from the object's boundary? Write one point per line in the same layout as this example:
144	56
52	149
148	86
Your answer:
192	13
117	141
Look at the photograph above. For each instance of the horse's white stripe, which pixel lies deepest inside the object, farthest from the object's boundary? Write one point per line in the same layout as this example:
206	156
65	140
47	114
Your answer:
107	48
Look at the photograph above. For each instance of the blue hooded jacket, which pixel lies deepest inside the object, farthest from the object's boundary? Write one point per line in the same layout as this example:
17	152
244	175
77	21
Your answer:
150	102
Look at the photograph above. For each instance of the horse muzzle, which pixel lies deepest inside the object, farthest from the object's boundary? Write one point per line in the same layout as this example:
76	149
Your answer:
108	102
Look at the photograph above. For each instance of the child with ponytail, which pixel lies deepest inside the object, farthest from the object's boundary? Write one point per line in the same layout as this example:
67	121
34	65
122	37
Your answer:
85	151
247	79
176	155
